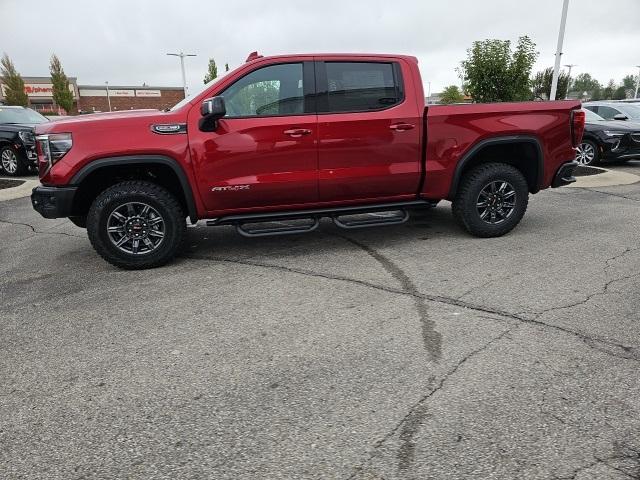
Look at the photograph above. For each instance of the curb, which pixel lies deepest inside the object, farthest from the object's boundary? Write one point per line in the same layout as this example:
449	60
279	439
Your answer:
609	178
20	191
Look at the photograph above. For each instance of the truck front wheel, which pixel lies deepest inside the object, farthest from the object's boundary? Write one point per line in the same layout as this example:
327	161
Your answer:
491	200
136	225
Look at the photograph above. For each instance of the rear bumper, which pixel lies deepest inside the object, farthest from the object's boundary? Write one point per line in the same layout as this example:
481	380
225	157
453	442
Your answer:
53	202
564	175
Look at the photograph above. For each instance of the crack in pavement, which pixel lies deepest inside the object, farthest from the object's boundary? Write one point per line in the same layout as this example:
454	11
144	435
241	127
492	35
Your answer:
431	338
40	232
409	425
603	291
605	346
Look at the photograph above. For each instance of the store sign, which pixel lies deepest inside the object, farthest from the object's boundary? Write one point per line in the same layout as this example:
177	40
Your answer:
35	90
148	93
121	93
84	92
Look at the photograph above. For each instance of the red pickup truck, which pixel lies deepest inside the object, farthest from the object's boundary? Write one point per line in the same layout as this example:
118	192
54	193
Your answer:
283	141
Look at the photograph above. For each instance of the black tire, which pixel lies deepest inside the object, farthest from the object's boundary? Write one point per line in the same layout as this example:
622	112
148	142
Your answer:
161	203
588	146
12	162
466	205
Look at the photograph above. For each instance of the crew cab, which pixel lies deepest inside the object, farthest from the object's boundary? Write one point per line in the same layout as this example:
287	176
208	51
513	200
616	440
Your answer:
282	141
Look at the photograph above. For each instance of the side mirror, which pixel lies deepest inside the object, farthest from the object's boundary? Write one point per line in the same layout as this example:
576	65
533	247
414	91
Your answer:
620	116
212	110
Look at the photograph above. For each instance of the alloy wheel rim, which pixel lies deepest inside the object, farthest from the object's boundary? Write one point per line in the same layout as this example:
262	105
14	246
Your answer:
9	161
496	202
136	228
585	154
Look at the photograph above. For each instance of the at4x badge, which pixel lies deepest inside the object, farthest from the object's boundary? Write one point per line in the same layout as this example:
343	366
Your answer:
230	188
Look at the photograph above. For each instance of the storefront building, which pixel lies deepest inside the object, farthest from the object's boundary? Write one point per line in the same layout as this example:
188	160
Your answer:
97	98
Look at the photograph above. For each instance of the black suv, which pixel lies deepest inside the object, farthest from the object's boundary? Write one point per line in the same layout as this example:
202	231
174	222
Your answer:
17	140
608	140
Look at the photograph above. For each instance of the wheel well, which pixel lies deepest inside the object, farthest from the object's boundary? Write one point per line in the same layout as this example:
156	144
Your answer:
525	155
102	178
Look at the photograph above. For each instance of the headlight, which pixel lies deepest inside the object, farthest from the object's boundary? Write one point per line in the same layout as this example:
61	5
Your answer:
614	133
28	138
51	148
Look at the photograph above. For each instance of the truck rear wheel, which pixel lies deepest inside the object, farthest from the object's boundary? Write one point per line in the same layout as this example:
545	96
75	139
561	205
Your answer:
136	225
491	200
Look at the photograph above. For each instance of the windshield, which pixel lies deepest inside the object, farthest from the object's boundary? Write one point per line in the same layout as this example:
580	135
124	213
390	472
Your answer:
591	116
186	100
20	115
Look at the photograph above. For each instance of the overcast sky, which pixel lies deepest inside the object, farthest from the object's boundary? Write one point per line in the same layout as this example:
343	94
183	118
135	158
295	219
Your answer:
125	41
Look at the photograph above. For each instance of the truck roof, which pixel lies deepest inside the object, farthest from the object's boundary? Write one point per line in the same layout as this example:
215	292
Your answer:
254	56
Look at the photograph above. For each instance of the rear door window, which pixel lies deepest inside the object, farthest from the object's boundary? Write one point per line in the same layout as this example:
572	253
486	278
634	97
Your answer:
359	86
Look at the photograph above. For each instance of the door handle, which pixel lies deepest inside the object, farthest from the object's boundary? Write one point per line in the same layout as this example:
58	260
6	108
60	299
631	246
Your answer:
297	132
401	127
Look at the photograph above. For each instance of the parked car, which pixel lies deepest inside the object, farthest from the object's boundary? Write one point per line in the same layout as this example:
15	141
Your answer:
615	110
608	140
17	140
299	137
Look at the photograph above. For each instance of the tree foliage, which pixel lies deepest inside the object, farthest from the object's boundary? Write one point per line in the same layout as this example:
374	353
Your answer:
541	84
629	82
451	94
13	83
585	83
620	93
62	95
212	71
493	72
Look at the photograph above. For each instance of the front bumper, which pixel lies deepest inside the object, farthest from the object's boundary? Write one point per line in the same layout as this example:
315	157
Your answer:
620	148
53	202
564	175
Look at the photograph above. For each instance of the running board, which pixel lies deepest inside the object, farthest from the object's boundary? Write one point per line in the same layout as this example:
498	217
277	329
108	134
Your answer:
379	221
336	214
270	231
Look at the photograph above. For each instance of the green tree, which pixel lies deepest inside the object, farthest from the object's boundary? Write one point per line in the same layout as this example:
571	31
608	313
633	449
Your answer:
629	82
451	94
607	92
212	71
541	84
493	72
62	95
620	93
13	83
586	83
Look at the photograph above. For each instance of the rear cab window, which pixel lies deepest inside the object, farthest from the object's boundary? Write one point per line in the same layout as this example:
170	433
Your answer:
345	86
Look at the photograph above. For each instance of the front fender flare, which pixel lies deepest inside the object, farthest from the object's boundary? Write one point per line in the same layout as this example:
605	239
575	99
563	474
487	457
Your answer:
144	160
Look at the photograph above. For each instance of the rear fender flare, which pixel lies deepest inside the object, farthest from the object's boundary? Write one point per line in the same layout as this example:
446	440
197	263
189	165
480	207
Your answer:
477	147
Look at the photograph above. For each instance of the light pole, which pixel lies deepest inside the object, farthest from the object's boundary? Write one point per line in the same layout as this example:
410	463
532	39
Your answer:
108	96
429	94
184	77
637	82
556	68
570	66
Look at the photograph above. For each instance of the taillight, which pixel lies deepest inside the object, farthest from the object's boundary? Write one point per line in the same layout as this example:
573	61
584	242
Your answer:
51	148
578	118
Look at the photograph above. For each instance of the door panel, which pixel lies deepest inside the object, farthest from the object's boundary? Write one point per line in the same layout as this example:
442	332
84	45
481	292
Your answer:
264	152
374	152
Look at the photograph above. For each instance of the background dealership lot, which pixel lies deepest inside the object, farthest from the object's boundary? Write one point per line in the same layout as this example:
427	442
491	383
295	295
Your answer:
405	352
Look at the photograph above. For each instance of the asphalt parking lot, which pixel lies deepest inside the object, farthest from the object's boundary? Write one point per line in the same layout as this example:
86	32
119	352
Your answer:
412	351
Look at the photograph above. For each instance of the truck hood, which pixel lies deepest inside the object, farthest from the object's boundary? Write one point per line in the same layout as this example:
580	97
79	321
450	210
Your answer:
107	121
17	127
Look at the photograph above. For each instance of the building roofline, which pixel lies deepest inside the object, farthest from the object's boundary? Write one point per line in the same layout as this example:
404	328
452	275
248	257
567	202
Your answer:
127	87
